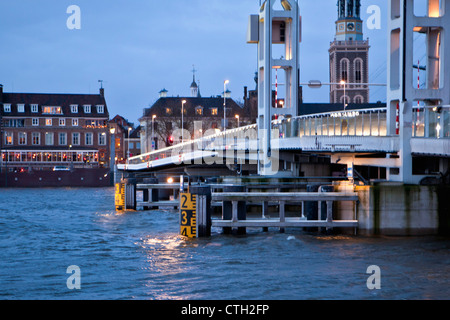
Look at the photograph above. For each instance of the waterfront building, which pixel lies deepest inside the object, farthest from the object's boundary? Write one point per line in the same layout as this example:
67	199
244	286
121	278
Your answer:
48	132
161	124
123	131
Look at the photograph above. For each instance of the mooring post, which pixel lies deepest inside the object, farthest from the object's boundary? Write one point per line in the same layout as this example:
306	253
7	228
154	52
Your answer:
265	212
130	194
234	210
282	215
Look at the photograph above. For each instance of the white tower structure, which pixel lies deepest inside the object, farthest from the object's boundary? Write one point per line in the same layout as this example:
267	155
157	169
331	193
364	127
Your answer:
402	92
275	27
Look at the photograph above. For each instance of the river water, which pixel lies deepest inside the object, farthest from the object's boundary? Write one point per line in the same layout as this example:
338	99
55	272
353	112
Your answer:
139	255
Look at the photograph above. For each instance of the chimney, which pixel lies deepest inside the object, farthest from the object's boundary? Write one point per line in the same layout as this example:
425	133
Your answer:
102	92
1	93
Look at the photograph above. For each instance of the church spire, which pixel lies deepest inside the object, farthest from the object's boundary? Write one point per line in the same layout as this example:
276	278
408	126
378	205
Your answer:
194	86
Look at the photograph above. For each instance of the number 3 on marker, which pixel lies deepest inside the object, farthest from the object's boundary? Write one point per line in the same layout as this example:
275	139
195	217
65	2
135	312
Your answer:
184	218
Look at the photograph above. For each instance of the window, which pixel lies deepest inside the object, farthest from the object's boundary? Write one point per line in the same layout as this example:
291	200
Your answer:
168	111
35	122
14	123
87	108
62	138
48	122
22	138
359	99
8	138
7	107
74	122
76	139
88	139
62	122
74	108
34	108
21	108
358	70
344	69
48	139
36	138
199	111
100	109
102	139
52	110
131	145
214	111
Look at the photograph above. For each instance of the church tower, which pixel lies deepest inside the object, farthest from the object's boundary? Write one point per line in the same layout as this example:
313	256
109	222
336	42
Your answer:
349	56
195	89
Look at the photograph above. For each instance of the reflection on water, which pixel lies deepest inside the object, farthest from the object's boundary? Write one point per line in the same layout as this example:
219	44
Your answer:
139	255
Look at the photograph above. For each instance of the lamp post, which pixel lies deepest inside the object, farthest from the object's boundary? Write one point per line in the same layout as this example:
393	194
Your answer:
153	133
225	104
112	152
128	145
182	120
238	120
345	100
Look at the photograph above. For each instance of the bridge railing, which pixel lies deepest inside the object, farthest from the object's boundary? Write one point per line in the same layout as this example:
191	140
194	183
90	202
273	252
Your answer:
364	122
217	142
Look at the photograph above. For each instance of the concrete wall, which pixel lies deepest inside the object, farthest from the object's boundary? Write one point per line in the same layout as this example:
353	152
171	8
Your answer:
397	209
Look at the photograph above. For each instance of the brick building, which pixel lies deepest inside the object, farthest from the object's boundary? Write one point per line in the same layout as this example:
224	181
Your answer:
40	132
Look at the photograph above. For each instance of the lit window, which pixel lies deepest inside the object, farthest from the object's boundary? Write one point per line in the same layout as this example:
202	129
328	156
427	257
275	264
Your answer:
199	111
22	138
34	108
87	108
7	107
35	122
21	108
100	109
36	138
214	111
168	111
48	122
62	122
74	122
74	108
8	138
52	110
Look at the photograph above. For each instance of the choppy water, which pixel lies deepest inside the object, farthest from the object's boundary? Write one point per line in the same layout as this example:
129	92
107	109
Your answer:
140	256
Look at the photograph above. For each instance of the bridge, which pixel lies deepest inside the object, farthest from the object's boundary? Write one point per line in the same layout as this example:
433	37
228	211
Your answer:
355	137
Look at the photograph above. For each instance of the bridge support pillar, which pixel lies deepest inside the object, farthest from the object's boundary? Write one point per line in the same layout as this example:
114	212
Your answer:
240	207
150	195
